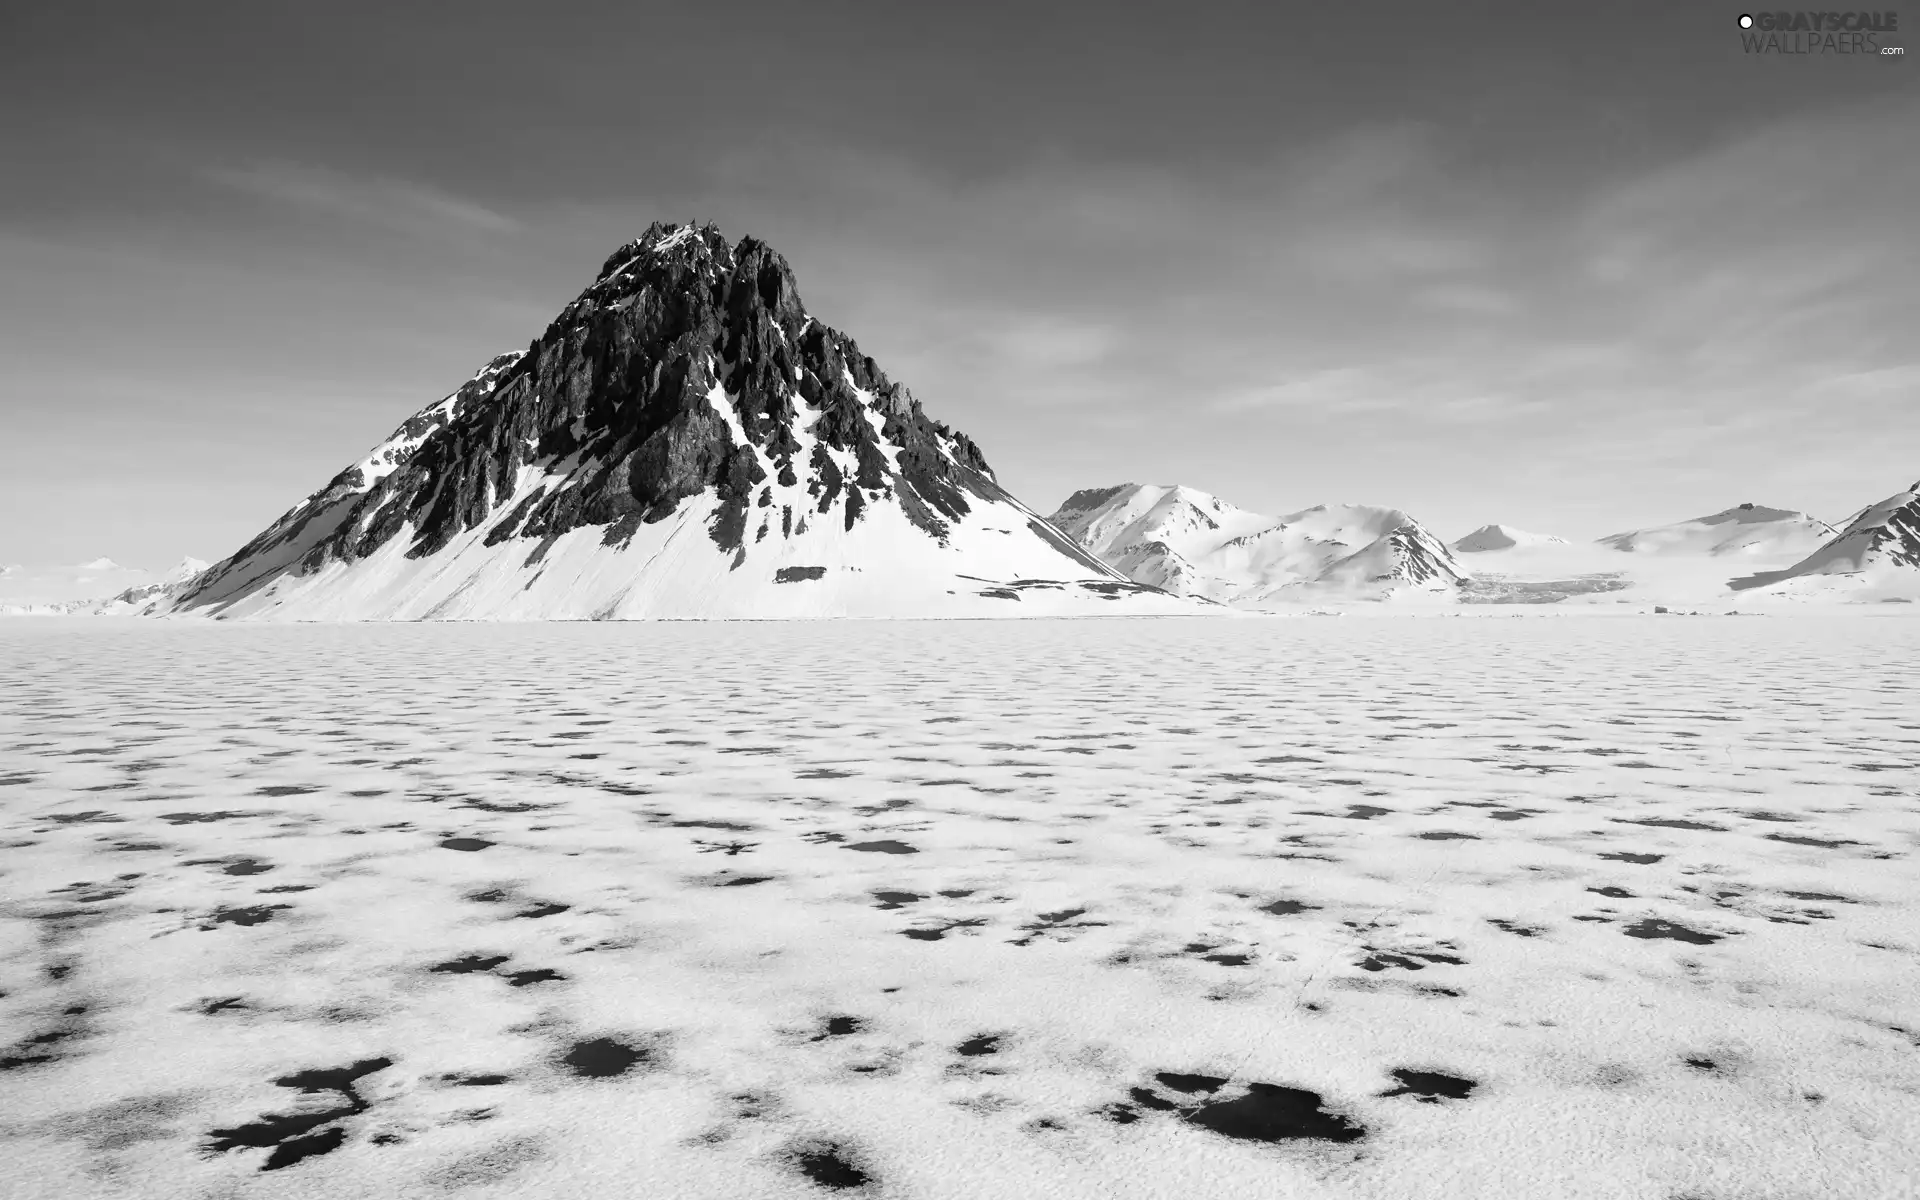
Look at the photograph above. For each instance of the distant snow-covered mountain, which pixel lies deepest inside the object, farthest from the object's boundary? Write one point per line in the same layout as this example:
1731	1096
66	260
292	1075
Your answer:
82	588
1503	537
1879	546
1192	543
1746	530
683	440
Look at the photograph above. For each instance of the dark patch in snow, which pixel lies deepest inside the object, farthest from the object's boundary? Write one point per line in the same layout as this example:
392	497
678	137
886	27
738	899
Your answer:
829	1165
1265	1112
1288	908
301	1135
1672	823
838	1027
603	1058
887	846
522	979
469	964
1654	928
1516	928
1380	960
1822	843
468	844
1049	922
258	914
1430	1087
1189	1084
934	935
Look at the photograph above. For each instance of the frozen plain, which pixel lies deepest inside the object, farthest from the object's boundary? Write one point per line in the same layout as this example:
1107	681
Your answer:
1621	907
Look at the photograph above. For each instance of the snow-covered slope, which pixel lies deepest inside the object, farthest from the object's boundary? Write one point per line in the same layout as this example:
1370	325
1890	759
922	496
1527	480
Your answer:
1879	549
684	440
1747	530
1503	537
1190	542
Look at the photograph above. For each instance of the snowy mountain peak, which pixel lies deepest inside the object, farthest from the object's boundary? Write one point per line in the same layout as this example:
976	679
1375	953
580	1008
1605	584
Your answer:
680	439
1503	537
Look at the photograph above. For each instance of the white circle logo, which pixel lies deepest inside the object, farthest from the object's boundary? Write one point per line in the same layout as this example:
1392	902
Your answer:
1746	22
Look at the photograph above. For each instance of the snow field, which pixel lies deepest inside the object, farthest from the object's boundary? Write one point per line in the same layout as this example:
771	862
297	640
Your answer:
1127	908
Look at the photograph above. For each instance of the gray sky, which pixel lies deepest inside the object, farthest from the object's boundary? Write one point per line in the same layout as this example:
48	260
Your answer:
1576	268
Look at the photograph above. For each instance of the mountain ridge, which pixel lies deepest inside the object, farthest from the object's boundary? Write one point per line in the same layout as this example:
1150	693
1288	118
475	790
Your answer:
1191	542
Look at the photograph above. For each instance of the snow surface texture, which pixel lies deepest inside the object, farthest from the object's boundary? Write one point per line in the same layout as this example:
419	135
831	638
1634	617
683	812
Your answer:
1309	908
684	440
1193	543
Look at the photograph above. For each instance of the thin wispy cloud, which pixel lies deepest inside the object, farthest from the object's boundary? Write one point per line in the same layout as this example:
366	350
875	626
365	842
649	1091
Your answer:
393	203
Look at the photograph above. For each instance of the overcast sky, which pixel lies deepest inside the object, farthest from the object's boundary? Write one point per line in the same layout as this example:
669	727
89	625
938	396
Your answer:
1576	268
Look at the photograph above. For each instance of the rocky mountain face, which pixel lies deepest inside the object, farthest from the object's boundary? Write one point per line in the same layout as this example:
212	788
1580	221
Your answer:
687	383
1192	543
